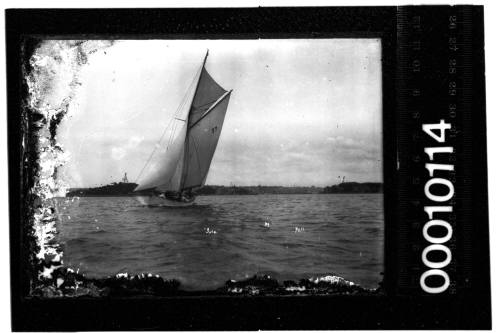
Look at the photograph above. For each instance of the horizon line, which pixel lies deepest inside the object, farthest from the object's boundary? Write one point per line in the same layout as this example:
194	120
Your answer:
261	185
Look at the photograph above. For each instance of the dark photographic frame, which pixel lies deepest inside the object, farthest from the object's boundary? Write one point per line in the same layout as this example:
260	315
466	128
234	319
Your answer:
393	307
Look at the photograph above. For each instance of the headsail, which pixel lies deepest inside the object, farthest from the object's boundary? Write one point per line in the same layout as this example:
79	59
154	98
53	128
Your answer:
162	169
186	161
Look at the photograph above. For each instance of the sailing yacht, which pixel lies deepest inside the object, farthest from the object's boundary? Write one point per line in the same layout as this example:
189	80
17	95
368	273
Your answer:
177	167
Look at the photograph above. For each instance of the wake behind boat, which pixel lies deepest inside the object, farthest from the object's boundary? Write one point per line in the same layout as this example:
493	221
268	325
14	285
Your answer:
178	167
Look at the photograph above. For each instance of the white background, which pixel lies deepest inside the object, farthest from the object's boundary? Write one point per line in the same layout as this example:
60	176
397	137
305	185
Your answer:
492	86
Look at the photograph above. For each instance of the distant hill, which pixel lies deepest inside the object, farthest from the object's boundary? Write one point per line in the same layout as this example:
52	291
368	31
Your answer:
126	189
235	190
353	187
349	187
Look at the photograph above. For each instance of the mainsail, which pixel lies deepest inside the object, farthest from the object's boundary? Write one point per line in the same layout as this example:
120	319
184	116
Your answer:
201	142
185	161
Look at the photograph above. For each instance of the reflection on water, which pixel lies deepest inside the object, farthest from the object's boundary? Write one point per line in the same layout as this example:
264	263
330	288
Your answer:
227	237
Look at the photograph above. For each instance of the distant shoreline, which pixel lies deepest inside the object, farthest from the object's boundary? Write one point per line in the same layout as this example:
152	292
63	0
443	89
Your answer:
126	189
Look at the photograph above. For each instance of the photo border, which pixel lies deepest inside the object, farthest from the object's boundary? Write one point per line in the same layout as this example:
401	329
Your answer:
392	309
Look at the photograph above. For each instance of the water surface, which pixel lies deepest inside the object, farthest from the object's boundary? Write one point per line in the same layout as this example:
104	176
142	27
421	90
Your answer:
226	237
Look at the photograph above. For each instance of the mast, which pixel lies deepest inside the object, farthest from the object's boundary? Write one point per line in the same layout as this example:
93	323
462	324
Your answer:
186	146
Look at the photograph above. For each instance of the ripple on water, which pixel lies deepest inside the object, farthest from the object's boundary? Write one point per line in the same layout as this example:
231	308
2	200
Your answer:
174	242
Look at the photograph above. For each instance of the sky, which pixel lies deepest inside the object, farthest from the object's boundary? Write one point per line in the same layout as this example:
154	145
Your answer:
303	112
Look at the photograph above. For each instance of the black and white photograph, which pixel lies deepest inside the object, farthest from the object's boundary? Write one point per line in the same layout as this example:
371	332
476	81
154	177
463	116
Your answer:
247	168
228	165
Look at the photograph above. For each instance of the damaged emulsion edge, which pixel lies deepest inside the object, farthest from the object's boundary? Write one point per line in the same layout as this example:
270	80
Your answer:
42	157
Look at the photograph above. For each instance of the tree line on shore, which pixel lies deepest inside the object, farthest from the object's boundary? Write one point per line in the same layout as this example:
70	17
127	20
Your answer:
348	187
125	189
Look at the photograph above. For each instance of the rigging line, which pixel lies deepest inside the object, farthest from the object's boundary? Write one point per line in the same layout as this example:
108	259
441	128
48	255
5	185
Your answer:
177	114
185	99
174	126
171	138
178	111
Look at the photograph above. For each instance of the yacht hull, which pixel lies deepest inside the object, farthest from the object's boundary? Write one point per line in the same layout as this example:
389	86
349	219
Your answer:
153	200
